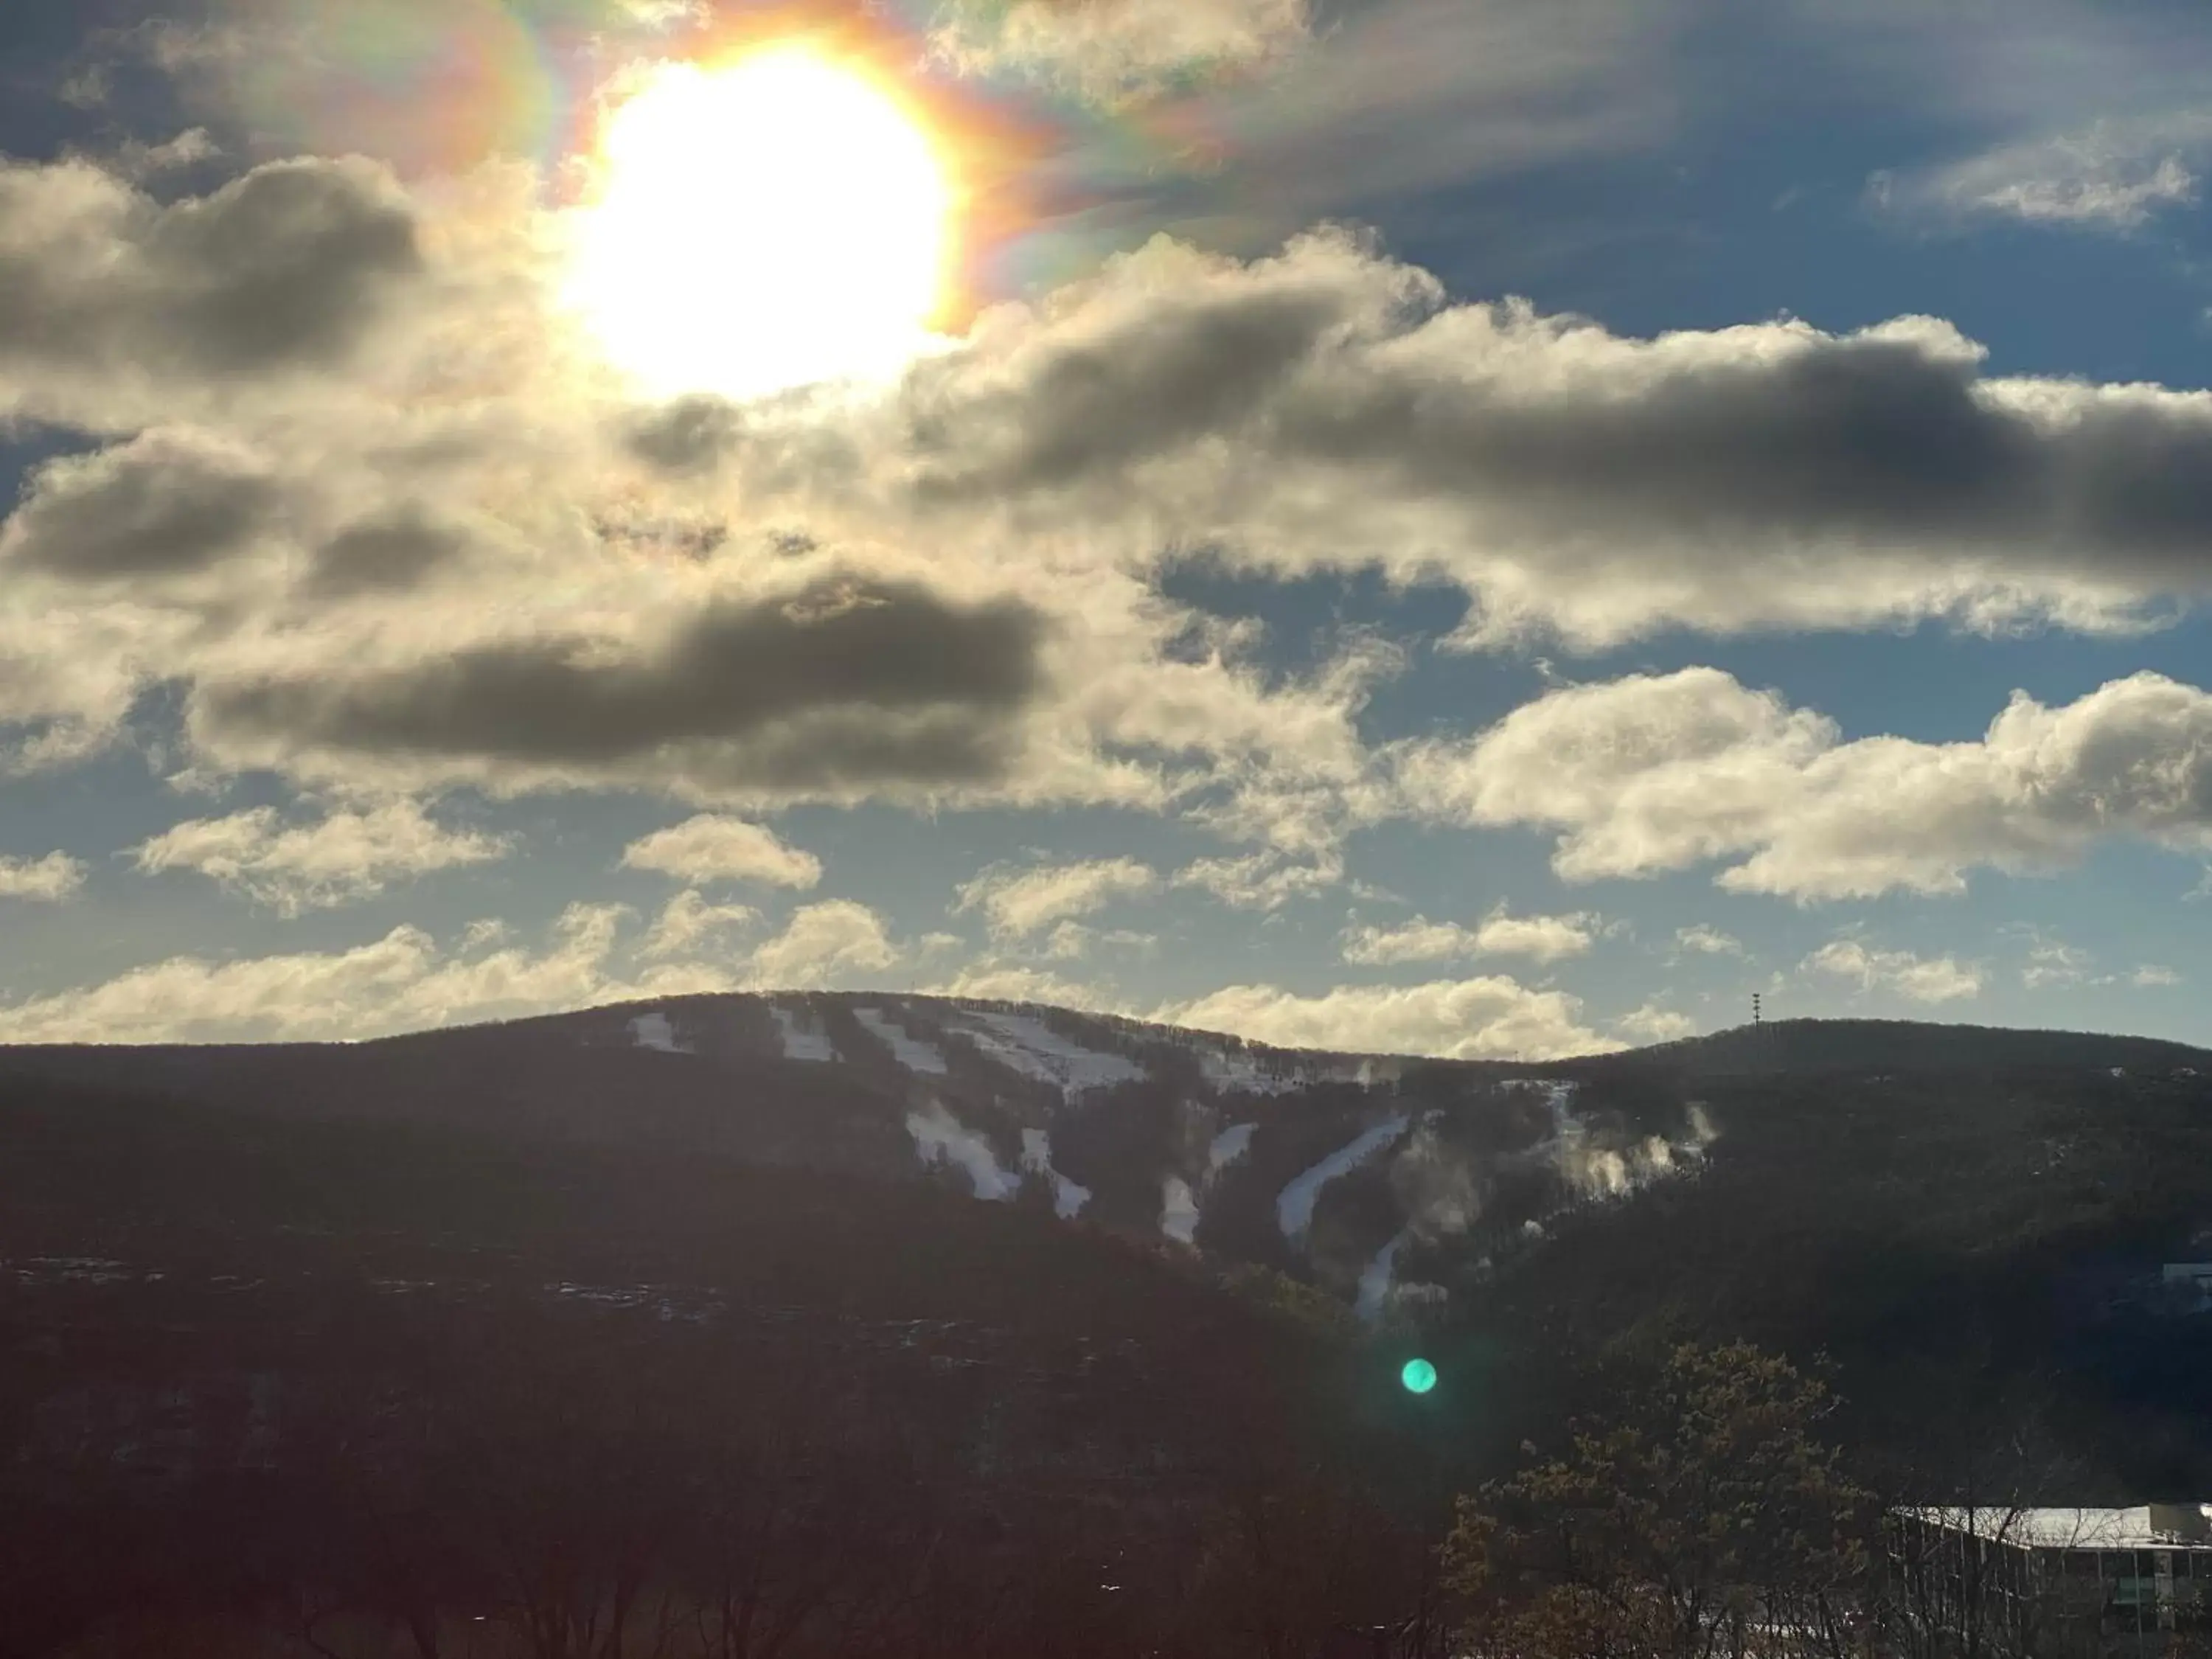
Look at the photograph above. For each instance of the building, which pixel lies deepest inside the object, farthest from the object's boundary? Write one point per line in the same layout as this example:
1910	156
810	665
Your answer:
2020	1581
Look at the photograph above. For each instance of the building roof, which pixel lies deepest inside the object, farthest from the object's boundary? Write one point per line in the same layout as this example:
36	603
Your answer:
2160	1526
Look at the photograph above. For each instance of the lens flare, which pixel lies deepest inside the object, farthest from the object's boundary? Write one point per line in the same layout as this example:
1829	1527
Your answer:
1418	1376
775	222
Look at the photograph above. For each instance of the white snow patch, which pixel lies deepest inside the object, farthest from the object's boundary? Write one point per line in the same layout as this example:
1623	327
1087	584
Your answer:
1178	1211
654	1031
1229	1146
1034	1049
1375	1283
802	1040
1067	1197
1294	1208
910	1052
941	1138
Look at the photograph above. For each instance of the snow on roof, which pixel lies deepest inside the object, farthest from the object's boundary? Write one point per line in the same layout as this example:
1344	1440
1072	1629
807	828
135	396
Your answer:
2144	1527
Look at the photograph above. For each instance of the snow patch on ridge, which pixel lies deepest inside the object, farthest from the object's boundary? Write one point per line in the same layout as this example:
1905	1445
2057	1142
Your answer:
1034	1049
1294	1208
1067	1197
802	1040
654	1031
1230	1145
940	1138
1373	1296
910	1052
1178	1210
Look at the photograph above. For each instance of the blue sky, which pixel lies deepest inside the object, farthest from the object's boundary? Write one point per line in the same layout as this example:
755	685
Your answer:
1439	541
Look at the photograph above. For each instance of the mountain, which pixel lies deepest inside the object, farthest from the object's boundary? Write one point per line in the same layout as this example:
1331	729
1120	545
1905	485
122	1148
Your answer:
1315	1164
1072	1289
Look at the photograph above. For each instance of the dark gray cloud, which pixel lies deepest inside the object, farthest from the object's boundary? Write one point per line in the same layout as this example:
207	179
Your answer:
287	266
690	434
1882	439
1697	460
847	683
166	504
388	553
1182	372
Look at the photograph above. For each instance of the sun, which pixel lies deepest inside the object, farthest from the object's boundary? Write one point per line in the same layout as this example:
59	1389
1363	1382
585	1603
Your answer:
775	222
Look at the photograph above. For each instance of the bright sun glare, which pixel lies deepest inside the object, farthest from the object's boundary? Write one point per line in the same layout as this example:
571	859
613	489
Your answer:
769	224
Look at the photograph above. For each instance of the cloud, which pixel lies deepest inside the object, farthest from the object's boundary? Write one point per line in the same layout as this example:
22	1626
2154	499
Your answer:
285	269
168	503
2113	177
1652	1023
688	925
391	550
1263	880
2054	963
1917	979
712	847
1544	938
1329	407
1018	902
838	687
1115	51
403	981
1655	772
2151	976
135	159
1489	1018
349	856
823	944
1708	941
408	980
995	981
53	879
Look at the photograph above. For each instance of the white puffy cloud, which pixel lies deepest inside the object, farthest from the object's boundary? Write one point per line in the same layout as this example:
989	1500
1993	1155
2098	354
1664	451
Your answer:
1117	51
1265	880
1487	1019
713	847
994	980
1543	938
1658	773
2151	976
822	943
1706	940
1652	1023
1018	902
408	980
350	854
688	925
403	981
1916	979
49	880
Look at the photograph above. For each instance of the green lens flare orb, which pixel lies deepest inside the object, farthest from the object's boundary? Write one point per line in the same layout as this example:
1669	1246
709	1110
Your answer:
1418	1376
